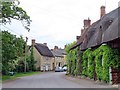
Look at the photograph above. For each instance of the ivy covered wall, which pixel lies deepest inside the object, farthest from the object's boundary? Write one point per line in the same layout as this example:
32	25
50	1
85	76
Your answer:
72	59
99	61
95	63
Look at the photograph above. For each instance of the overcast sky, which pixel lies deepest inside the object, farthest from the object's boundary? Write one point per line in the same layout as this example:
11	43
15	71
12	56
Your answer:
58	22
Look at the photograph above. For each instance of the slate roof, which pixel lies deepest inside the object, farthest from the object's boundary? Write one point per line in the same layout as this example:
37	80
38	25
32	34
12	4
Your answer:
103	30
43	50
59	52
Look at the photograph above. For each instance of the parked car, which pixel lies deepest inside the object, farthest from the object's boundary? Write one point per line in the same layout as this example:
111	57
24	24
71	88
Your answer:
11	73
59	69
65	68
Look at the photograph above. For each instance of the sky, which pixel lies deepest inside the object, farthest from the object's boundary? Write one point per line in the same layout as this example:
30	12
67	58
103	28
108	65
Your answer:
58	22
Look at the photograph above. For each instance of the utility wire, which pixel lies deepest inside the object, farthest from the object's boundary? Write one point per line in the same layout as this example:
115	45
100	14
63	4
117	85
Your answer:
15	32
11	30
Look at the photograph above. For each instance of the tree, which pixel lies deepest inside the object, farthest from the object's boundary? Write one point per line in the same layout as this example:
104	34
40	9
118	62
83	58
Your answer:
11	10
72	59
12	49
32	61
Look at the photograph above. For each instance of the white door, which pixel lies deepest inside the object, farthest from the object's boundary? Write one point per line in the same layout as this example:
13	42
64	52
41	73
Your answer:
46	67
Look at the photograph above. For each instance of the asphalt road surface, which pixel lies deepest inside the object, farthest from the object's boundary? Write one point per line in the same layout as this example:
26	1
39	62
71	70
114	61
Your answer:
46	80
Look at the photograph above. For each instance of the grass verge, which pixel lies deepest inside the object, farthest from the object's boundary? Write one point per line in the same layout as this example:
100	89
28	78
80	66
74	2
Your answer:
8	77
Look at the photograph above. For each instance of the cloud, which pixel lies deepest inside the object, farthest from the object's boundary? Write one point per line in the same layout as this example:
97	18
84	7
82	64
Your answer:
58	22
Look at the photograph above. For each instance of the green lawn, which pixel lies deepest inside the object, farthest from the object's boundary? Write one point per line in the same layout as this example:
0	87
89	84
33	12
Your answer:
7	77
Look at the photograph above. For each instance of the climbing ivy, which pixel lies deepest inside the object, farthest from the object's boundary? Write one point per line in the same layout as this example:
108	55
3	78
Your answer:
85	63
71	57
95	63
91	65
105	58
99	61
116	59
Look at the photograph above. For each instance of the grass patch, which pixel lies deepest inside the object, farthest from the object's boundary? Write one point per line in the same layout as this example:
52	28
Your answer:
26	74
8	77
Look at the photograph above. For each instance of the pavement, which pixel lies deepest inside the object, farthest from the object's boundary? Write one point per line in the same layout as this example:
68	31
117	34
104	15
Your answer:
88	83
52	80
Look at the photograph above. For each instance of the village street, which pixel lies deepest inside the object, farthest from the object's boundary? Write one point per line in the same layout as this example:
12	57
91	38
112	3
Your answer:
52	80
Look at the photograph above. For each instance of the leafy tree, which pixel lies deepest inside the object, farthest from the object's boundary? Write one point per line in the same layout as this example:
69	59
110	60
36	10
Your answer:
20	65
31	62
11	10
12	49
72	59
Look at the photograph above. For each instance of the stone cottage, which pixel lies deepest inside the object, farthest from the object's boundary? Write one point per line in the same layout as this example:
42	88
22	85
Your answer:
43	56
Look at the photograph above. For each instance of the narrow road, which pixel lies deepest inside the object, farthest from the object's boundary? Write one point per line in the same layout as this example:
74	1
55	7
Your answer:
45	80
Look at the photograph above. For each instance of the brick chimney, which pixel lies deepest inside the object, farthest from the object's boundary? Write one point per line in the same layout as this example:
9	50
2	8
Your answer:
55	47
87	23
65	46
45	44
102	11
33	42
82	30
77	38
51	49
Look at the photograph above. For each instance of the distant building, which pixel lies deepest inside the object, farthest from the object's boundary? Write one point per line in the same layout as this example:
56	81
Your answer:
59	55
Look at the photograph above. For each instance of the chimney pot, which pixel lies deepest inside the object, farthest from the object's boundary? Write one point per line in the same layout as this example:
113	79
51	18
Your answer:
33	42
45	44
77	38
102	11
82	30
65	46
51	49
55	47
87	23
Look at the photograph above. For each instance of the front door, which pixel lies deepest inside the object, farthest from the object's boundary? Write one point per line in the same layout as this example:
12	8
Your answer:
59	65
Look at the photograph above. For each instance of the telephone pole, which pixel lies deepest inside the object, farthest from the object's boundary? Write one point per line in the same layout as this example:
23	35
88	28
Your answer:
25	53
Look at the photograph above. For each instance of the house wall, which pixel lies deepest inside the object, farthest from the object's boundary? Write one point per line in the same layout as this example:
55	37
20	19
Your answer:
44	63
37	58
47	63
60	61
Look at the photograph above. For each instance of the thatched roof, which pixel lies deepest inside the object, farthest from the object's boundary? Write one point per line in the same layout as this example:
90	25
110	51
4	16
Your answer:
43	50
112	32
104	30
104	24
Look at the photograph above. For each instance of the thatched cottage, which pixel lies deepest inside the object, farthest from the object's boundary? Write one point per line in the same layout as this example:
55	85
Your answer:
43	56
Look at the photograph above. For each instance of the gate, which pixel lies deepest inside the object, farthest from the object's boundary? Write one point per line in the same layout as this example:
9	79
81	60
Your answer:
115	76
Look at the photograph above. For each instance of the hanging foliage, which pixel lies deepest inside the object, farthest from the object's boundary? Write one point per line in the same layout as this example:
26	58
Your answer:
10	10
